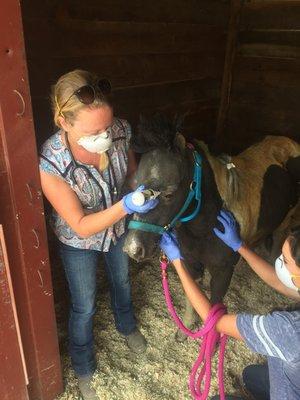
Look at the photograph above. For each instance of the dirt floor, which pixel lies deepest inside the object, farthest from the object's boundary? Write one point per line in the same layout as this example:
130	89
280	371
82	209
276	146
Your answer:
162	372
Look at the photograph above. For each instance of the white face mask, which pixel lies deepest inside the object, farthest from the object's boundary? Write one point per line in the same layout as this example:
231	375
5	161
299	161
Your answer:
96	143
283	273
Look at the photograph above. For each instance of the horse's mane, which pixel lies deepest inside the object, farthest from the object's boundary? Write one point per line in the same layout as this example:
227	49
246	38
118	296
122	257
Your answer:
155	132
225	173
159	131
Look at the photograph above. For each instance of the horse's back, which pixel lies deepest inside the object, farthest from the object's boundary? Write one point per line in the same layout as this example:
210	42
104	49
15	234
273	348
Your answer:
272	188
271	150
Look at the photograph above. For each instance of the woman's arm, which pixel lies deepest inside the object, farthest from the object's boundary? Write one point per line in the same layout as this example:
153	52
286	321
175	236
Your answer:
226	324
66	203
266	272
263	269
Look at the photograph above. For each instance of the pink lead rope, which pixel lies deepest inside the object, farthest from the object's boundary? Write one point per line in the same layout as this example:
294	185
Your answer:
210	338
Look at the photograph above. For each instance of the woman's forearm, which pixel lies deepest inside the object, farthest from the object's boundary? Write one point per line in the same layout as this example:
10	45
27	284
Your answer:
198	299
266	272
96	222
226	324
66	203
261	267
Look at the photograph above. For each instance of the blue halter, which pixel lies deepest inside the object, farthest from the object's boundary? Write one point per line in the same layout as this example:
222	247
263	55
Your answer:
194	193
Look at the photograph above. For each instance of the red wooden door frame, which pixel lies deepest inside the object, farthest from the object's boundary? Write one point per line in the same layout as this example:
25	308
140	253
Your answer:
22	213
13	376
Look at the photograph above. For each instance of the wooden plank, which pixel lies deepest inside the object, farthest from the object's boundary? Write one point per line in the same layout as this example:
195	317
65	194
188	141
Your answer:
2	160
236	8
13	377
263	119
169	92
270	44
40	9
125	71
180	97
274	37
5	269
266	65
268	50
214	12
270	14
277	97
75	38
253	73
190	11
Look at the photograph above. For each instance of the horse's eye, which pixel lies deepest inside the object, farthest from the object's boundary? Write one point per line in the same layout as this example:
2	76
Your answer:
168	196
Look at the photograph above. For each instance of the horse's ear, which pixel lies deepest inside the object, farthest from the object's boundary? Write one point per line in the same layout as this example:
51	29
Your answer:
180	143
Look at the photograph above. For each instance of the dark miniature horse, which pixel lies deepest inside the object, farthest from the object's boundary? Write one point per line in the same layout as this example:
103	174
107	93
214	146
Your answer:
258	186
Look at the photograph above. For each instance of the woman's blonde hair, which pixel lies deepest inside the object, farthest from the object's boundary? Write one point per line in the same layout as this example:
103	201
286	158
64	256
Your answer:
65	105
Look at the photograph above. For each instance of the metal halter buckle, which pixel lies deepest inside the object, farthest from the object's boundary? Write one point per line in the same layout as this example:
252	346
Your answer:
164	258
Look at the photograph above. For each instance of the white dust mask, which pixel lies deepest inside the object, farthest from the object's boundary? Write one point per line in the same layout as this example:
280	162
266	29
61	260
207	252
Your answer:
96	143
283	273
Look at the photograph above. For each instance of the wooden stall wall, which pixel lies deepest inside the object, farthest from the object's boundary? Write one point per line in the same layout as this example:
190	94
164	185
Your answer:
265	92
159	55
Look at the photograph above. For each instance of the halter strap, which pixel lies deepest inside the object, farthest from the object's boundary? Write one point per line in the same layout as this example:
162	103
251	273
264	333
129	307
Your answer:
146	227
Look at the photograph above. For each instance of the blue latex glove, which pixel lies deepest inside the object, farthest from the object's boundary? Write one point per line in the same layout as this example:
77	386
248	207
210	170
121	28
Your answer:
231	235
131	208
169	245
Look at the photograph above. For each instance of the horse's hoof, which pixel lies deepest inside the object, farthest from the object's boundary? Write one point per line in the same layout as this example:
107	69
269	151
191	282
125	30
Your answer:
180	337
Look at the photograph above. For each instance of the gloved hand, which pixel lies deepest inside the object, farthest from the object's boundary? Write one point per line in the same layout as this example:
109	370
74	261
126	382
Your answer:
130	207
169	245
231	235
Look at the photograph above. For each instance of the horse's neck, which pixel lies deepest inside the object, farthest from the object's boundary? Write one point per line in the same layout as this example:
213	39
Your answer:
219	170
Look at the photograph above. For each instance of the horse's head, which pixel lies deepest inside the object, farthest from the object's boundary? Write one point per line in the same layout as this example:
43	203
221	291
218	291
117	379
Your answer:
163	167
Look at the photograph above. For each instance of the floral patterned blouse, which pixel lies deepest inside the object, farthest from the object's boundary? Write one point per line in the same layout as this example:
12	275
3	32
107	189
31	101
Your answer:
96	191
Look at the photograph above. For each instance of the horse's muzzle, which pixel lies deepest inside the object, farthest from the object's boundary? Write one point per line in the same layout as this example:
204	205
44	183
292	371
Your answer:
134	248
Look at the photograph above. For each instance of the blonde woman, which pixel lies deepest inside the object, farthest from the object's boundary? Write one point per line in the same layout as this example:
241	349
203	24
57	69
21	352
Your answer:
83	168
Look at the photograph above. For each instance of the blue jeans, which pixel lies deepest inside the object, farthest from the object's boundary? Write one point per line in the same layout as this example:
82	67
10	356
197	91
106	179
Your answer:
80	267
256	381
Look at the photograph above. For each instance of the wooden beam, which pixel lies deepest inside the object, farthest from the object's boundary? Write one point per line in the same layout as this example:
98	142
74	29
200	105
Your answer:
126	71
174	97
214	12
81	38
266	14
233	27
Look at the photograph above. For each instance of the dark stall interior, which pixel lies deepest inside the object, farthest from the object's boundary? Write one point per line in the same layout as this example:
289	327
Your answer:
265	92
165	55
231	67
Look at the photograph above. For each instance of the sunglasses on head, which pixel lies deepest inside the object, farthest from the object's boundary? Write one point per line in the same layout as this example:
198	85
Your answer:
87	94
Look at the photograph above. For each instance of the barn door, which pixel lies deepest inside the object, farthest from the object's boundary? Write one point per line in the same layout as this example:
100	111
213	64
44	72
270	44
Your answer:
13	376
22	217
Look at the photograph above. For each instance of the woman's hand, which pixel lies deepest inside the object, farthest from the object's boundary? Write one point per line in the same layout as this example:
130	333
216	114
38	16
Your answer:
131	208
169	245
231	235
